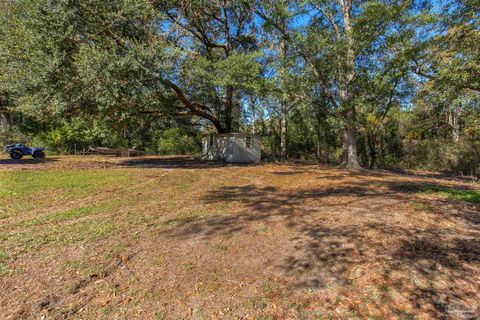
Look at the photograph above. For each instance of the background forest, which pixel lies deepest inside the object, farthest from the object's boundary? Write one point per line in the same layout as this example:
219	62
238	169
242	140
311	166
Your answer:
376	84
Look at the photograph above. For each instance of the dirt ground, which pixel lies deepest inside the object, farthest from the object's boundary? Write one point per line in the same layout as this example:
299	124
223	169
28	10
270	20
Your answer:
176	238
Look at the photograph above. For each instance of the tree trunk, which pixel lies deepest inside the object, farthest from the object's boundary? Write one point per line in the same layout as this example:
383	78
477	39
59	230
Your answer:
3	122
347	74
318	150
3	115
321	148
456	133
283	131
283	102
455	123
372	148
252	101
350	156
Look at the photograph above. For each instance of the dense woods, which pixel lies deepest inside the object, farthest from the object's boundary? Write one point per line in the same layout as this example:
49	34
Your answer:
375	84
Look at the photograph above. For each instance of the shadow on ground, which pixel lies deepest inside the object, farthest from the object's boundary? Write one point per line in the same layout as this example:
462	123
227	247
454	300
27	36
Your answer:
428	257
26	161
176	163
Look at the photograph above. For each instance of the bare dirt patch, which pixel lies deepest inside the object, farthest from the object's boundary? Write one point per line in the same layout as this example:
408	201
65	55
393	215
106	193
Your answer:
185	239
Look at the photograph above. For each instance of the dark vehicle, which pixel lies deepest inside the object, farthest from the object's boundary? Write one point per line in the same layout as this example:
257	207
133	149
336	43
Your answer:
18	151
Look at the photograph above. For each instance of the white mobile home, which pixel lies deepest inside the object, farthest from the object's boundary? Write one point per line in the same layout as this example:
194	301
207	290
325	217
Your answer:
232	147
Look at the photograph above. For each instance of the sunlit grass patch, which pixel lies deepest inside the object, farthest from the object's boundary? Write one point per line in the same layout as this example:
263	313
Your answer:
86	265
115	251
472	196
221	247
63	227
160	315
75	265
422	206
25	183
32	239
22	191
260	227
3	263
76	213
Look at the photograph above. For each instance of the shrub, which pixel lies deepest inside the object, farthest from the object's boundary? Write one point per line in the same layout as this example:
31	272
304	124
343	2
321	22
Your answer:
176	141
444	155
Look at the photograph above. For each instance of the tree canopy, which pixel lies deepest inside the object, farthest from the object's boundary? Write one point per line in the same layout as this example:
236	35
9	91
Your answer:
356	83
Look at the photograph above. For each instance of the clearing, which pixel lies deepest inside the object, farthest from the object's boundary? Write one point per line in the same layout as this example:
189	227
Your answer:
169	238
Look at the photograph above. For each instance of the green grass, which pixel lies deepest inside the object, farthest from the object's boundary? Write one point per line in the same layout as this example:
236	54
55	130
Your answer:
22	191
73	217
54	217
3	266
260	227
32	239
160	315
75	213
471	196
75	265
64	227
422	206
115	251
16	184
221	247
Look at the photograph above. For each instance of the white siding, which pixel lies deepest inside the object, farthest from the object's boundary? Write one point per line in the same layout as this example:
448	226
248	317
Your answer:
232	148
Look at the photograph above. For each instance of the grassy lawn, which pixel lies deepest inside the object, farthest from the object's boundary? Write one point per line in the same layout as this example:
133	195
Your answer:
153	238
472	196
